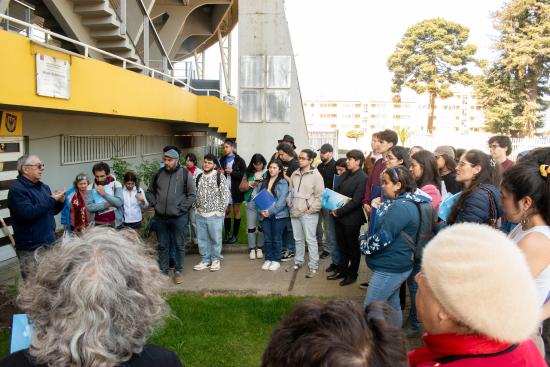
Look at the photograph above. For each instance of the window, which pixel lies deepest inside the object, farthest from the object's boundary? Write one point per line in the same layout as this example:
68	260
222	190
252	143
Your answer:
90	148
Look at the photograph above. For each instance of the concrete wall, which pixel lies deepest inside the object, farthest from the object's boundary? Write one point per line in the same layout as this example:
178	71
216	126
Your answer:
263	30
43	130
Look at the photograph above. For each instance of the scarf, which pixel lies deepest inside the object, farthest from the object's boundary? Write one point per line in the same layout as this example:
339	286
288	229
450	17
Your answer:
192	170
445	345
80	217
108	180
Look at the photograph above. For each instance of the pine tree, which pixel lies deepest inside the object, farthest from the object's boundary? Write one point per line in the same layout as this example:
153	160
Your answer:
512	92
431	57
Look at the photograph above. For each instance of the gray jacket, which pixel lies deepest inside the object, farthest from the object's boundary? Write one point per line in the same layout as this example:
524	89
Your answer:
171	193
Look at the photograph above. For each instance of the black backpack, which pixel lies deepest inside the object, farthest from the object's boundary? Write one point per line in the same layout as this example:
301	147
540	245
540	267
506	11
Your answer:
426	225
218	179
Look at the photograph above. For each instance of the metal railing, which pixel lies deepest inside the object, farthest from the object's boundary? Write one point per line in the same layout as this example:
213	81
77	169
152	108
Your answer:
125	62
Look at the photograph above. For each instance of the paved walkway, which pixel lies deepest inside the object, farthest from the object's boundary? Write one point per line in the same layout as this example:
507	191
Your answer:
240	275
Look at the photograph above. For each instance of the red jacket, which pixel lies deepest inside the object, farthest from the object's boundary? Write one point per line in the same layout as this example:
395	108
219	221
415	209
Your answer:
374	180
452	350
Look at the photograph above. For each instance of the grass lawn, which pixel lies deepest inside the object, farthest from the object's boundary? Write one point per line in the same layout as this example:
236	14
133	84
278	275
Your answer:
221	330
214	331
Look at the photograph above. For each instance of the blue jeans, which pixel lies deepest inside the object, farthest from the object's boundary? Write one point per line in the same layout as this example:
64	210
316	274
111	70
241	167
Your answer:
191	228
304	229
273	230
252	223
326	235
209	234
385	287
413	288
288	237
169	231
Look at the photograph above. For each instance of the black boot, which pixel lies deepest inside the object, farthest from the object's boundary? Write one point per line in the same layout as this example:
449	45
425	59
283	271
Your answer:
227	229
236	226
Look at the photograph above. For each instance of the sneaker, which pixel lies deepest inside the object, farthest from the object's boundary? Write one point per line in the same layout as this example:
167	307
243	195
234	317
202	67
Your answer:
215	265
289	255
311	273
201	266
266	265
178	278
364	285
296	267
259	254
274	266
252	254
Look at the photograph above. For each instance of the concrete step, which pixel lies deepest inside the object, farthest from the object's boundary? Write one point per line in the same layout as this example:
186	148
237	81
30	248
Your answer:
115	47
93	10
101	23
107	35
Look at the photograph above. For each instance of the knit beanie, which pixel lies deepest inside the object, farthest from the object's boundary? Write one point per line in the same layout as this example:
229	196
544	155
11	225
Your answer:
481	278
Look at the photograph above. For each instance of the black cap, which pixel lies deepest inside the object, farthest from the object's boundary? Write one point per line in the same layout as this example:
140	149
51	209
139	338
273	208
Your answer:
288	139
326	148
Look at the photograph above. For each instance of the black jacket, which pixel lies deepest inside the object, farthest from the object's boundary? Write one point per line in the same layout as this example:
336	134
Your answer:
327	170
352	185
238	171
32	211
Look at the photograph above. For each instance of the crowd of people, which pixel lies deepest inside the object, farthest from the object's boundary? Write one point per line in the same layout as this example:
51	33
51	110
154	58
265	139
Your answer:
467	232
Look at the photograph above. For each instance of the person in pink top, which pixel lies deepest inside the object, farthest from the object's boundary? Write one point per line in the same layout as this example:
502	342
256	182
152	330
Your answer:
425	172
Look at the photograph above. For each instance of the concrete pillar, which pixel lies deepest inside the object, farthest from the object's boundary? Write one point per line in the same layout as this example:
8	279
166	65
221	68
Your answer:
263	34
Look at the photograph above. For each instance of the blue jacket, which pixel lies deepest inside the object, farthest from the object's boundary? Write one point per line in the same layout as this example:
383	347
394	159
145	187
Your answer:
386	249
475	209
279	209
66	212
32	210
116	200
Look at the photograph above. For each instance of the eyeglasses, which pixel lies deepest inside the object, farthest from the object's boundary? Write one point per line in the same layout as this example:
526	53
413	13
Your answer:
462	163
37	165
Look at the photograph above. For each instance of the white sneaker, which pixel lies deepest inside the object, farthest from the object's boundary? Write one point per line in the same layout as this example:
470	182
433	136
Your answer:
252	254
266	265
274	266
201	266
216	265
259	254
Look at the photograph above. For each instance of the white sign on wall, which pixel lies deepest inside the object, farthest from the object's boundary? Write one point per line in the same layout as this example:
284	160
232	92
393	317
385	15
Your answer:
53	77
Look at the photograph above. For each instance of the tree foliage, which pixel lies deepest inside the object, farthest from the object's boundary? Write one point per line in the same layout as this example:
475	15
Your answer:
355	134
513	89
431	57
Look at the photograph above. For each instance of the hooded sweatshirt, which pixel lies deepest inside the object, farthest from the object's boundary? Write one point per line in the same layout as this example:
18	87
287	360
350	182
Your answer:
306	190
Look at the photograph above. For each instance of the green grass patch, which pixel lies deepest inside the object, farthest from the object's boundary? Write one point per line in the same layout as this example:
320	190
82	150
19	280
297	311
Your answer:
4	342
221	330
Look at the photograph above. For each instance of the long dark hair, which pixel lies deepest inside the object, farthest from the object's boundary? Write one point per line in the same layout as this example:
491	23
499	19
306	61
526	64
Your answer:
430	172
402	153
527	179
404	176
489	174
256	158
265	183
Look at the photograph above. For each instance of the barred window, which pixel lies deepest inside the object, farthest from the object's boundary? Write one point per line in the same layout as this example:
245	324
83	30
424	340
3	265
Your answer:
90	148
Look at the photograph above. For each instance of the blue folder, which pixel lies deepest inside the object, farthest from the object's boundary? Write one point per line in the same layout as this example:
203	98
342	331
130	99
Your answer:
447	205
264	200
21	333
332	200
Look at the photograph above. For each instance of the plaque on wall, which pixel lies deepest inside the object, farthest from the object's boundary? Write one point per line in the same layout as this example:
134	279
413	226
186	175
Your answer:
53	77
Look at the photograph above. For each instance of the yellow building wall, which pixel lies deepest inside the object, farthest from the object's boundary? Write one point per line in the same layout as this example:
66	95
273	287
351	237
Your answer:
100	88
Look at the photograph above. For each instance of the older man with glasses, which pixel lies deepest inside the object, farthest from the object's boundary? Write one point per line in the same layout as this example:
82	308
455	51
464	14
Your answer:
32	208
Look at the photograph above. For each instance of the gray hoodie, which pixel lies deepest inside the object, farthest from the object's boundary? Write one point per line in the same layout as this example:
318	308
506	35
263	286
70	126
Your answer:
169	194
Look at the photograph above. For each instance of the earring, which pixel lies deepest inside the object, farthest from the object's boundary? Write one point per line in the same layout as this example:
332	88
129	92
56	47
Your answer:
524	220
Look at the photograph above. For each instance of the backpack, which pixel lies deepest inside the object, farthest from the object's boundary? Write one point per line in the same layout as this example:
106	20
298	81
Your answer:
426	225
218	179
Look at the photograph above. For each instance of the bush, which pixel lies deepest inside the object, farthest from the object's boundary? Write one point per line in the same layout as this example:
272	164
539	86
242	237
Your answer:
146	170
120	167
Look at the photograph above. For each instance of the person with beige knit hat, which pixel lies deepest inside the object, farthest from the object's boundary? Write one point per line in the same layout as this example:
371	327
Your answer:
477	301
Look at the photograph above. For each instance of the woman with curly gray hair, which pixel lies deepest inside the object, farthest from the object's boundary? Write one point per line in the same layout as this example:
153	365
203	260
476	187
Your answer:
94	301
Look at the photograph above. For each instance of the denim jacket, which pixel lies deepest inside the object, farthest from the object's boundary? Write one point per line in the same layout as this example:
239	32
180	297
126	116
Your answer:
279	209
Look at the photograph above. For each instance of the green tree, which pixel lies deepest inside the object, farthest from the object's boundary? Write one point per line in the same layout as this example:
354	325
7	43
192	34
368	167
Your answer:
512	90
431	57
120	167
404	133
355	134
